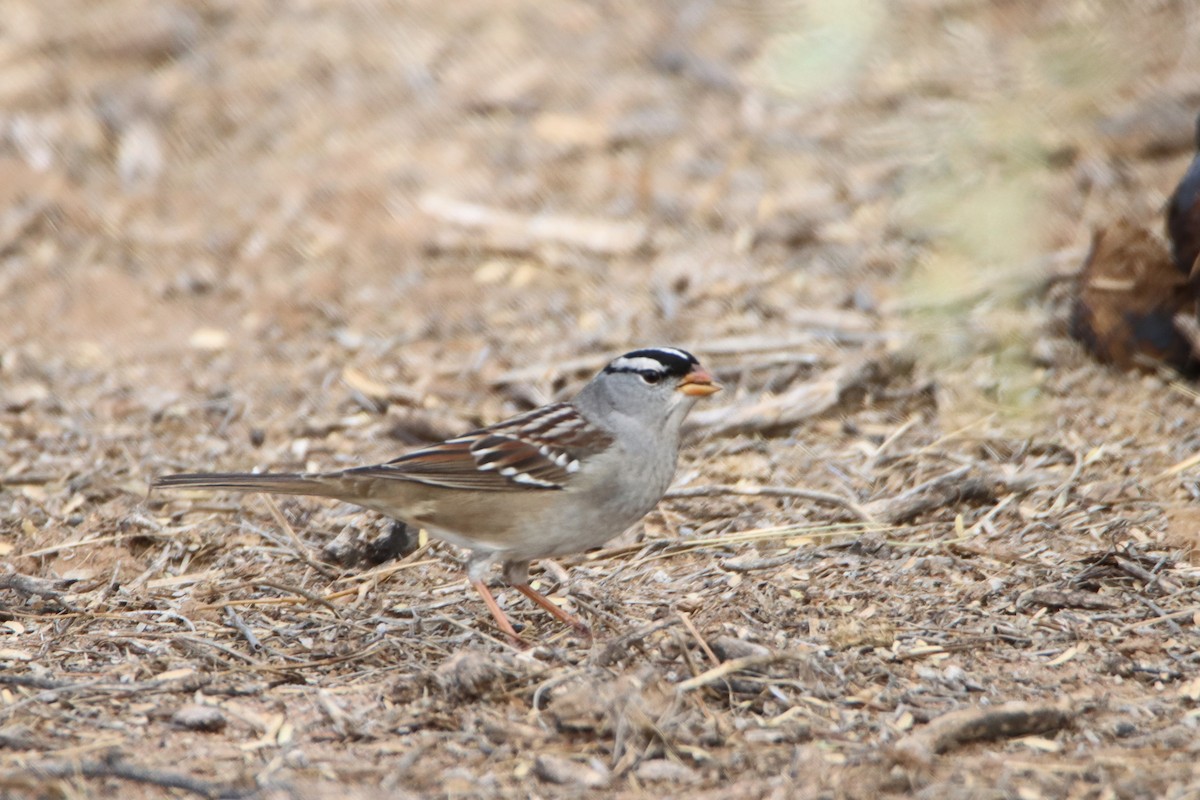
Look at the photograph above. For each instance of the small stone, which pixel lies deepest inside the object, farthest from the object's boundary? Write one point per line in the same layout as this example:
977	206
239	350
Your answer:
196	717
728	648
565	772
954	674
140	158
508	731
470	674
397	541
209	339
601	706
760	736
21	396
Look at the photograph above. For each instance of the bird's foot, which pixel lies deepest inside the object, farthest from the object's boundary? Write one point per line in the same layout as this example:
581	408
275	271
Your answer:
562	616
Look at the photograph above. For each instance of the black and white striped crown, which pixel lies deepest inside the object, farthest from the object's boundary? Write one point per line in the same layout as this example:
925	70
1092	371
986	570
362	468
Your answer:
665	361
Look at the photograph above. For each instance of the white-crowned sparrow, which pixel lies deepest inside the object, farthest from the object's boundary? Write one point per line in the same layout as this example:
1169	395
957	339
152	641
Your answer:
555	480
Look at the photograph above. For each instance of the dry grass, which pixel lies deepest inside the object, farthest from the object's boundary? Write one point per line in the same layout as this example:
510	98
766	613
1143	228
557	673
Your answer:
921	545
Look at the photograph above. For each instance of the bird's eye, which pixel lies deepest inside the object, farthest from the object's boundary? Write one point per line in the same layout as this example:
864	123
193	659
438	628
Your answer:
651	377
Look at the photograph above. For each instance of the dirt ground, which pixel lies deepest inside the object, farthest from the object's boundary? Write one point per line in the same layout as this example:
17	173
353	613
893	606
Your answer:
922	545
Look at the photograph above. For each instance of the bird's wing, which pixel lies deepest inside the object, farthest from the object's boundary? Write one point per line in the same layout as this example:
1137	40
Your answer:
540	449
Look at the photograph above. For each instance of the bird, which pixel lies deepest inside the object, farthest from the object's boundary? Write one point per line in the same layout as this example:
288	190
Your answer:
1183	216
559	479
1132	305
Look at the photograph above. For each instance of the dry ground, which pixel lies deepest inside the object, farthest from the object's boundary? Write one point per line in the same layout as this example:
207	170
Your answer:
242	234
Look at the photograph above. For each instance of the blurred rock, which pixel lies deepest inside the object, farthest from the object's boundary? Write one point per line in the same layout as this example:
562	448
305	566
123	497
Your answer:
471	674
140	158
22	395
1149	129
728	648
1128	298
196	717
150	34
355	546
565	772
1183	215
602	706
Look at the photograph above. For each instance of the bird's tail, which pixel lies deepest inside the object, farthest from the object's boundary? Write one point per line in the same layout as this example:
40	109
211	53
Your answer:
279	483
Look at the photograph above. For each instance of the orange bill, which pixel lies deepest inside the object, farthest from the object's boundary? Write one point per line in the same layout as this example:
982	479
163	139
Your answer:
698	383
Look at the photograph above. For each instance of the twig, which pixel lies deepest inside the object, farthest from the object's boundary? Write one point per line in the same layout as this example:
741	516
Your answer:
113	768
57	688
307	595
975	724
1054	599
1144	575
234	620
508	231
873	461
948	489
715	490
1063	491
378	574
301	549
619	647
730	667
31	682
687	623
1187	612
750	565
780	411
462	626
116	537
154	568
16	737
1182	466
1171	623
196	641
29	586
824	323
357	655
30	479
666	548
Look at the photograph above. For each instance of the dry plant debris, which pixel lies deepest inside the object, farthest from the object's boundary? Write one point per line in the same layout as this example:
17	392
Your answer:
1133	304
958	728
297	235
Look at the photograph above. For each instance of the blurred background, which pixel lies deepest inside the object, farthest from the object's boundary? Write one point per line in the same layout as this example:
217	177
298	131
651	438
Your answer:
196	194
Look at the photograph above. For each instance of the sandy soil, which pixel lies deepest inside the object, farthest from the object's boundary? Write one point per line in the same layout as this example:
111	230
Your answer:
921	546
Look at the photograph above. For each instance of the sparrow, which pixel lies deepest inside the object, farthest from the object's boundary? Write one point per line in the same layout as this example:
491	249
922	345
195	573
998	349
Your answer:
556	480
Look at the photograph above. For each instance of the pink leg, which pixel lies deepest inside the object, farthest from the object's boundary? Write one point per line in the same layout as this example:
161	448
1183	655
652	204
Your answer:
498	615
558	613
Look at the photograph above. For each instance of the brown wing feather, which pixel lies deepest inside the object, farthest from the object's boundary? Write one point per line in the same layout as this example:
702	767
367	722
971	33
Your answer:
540	449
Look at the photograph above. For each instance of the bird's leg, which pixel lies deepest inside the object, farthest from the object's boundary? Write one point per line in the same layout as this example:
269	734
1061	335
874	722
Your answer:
516	572
498	615
558	613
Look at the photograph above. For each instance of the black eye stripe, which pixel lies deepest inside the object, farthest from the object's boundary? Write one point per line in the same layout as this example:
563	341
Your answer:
666	360
645	373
